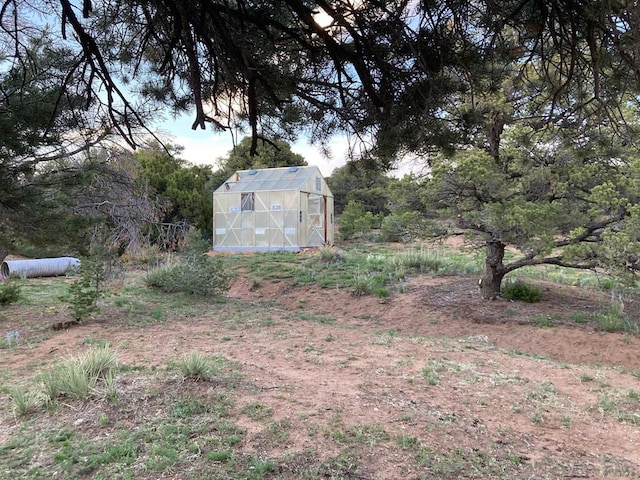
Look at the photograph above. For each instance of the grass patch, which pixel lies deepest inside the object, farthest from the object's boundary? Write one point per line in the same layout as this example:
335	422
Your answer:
613	319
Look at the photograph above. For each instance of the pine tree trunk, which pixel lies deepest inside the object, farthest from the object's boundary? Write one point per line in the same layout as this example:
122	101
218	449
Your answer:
494	270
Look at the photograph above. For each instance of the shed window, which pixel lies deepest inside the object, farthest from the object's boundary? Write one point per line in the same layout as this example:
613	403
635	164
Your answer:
318	184
246	202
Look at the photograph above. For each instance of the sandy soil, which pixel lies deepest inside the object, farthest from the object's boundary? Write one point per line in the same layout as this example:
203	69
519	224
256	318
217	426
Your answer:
325	357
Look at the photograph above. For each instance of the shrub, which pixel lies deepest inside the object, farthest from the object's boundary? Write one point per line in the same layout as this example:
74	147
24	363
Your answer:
199	275
10	292
355	220
87	289
520	291
194	244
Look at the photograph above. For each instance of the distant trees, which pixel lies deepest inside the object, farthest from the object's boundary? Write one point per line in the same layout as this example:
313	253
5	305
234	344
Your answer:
356	183
268	154
182	188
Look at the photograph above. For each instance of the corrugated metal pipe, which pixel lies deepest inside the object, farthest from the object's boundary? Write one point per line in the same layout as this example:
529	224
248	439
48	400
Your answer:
41	267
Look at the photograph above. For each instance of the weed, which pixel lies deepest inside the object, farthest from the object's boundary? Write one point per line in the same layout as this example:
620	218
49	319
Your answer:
585	377
99	362
431	376
11	339
103	421
279	429
312	317
220	456
188	407
255	284
536	417
260	468
633	396
370	435
10	291
77	377
613	319
542	321
194	366
406	442
579	317
328	254
24	401
257	411
545	391
96	342
519	291
361	285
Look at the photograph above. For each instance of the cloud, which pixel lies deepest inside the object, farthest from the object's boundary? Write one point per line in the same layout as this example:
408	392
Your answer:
204	147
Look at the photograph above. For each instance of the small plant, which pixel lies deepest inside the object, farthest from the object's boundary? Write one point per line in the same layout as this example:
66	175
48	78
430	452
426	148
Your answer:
10	291
431	376
257	411
86	290
78	377
194	366
11	339
24	401
613	319
541	320
520	291
328	254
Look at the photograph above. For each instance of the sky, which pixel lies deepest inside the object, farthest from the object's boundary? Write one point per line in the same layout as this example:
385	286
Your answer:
206	146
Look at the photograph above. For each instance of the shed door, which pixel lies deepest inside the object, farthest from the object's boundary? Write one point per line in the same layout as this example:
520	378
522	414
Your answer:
315	220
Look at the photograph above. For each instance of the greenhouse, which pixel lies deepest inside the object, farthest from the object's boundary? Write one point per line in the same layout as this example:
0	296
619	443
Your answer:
273	209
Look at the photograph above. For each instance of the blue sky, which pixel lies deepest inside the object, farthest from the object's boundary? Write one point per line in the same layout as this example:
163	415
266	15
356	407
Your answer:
205	146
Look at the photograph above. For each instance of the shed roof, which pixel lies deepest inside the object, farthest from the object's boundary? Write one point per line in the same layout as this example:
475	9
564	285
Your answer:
255	180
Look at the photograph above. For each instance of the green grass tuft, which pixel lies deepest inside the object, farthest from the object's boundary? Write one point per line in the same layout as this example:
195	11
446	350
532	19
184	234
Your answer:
195	366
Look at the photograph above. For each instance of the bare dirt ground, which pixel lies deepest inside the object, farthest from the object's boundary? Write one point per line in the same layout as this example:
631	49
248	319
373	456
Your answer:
434	364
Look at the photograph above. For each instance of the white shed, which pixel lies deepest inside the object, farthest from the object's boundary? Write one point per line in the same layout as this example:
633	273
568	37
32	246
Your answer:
273	209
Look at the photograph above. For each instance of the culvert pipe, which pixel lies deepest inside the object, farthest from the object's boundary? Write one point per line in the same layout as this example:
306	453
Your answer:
41	267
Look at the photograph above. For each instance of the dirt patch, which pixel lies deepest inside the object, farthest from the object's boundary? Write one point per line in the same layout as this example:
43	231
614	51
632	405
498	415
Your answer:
434	363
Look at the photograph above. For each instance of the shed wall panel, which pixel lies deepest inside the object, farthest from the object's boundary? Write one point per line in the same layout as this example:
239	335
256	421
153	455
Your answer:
290	209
